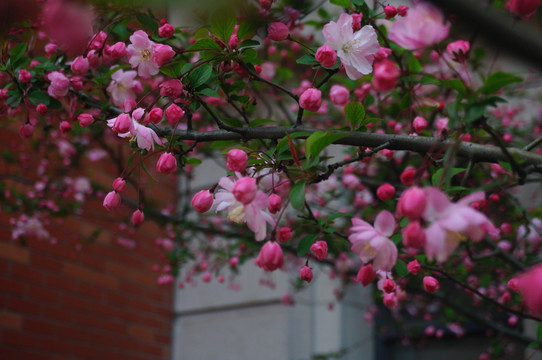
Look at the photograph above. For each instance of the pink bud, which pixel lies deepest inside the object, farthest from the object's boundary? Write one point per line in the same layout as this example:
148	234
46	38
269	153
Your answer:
123	124
389	286
234	261
385	75
311	99
167	164
174	113
138	217
277	31
41	109
171	88
206	277
430	284
270	257
245	190
237	160
326	56
402	10
390	300
233	41
85	119
155	115
407	176
112	201
412	203
65	127
413	267
459	50
356	21
419	124
80	65
50	49
385	192
202	201
523	8
118	50
94	59
513	284
162	54
413	235
529	285
59	84
319	250
119	184
305	274
366	275
26	131
284	234
24	76
166	31
339	95
76	83
390	11
275	203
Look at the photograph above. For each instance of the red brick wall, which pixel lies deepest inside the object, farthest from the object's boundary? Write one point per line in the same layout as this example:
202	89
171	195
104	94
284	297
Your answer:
78	300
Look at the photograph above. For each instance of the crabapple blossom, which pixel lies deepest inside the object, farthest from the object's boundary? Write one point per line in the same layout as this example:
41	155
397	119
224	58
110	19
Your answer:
202	201
270	257
277	31
284	234
162	54
523	8
174	113
305	274
24	76
275	203
458	50
245	190
112	201
167	164
85	119
414	267
138	217
118	50
123	85
390	11
59	84
339	95
413	235
386	74
388	286
166	31
385	192
366	274
171	88
311	99
155	115
119	184
41	109
412	203
419	124
430	284
326	56
237	160
319	249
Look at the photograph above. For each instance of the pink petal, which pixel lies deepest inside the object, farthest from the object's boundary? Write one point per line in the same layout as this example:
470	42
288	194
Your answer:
385	223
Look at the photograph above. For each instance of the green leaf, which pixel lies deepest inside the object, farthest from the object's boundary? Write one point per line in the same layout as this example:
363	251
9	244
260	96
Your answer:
144	167
200	75
359	2
337	215
314	147
208	92
475	112
283	143
539	332
223	23
205	44
250	54
497	81
260	122
36	97
233	122
305	244
456	85
192	161
401	269
148	22
297	195
355	112
172	69
307	59
344	3
249	43
17	53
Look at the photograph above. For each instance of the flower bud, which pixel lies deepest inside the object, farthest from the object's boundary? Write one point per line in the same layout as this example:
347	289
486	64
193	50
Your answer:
118	50
459	50
174	113
339	95
419	124
523	8
326	56
402	10
270	257
390	300
155	115
162	54
390	11
138	217
284	234
356	21
167	164
311	99
413	267
237	160
26	131
80	65
513	284
385	192
305	274
85	119
123	124
430	284
366	275
277	31
412	203
202	201
171	88
24	76
245	190
112	201
65	127
407	176
275	203
119	184
389	286
41	109
385	75
413	235
319	249
166	31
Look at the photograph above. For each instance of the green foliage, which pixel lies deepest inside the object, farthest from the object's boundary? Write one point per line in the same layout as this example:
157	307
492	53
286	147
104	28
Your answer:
497	81
222	23
355	113
305	244
297	195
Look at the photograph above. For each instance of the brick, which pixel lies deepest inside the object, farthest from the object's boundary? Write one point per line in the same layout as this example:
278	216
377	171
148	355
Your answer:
35	326
44	262
42	294
60	282
140	277
140	332
91	276
142	306
90	291
26	273
76	303
90	321
10	320
104	310
59	315
22	339
51	346
163	339
14	253
23	306
72	332
85	351
9	286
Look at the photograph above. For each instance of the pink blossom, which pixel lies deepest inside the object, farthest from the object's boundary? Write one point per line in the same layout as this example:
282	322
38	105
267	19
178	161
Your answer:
270	257
29	227
424	25
311	99
412	203
356	21
202	201
112	201
119	184
386	74
275	203
138	217
171	88
419	124
414	267
167	164
162	54
451	222
24	76
174	113
123	124
305	274
366	275
326	56
277	31
355	49
245	190
123	86
140	53
166	31
430	284
373	243
284	234
458	50
26	131
319	249
523	8
59	84
237	160
413	235
385	192
388	286
339	95
390	11
85	119
155	115
118	50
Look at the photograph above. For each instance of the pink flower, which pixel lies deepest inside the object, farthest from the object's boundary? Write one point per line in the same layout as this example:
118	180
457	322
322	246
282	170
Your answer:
270	257
451	222
413	267
458	50
390	11
373	243
311	99
385	192
356	50
202	201
138	217
155	115
26	131
167	164
59	84
305	274
123	86
423	26
245	190
339	95
366	275
140	53
326	56
277	31
413	235
419	124
523	8
356	21
385	75
275	203
412	203
24	76
171	88
123	124
119	184
319	249
174	113
166	31
112	201
118	50
284	234
430	284
237	160
85	119
162	54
